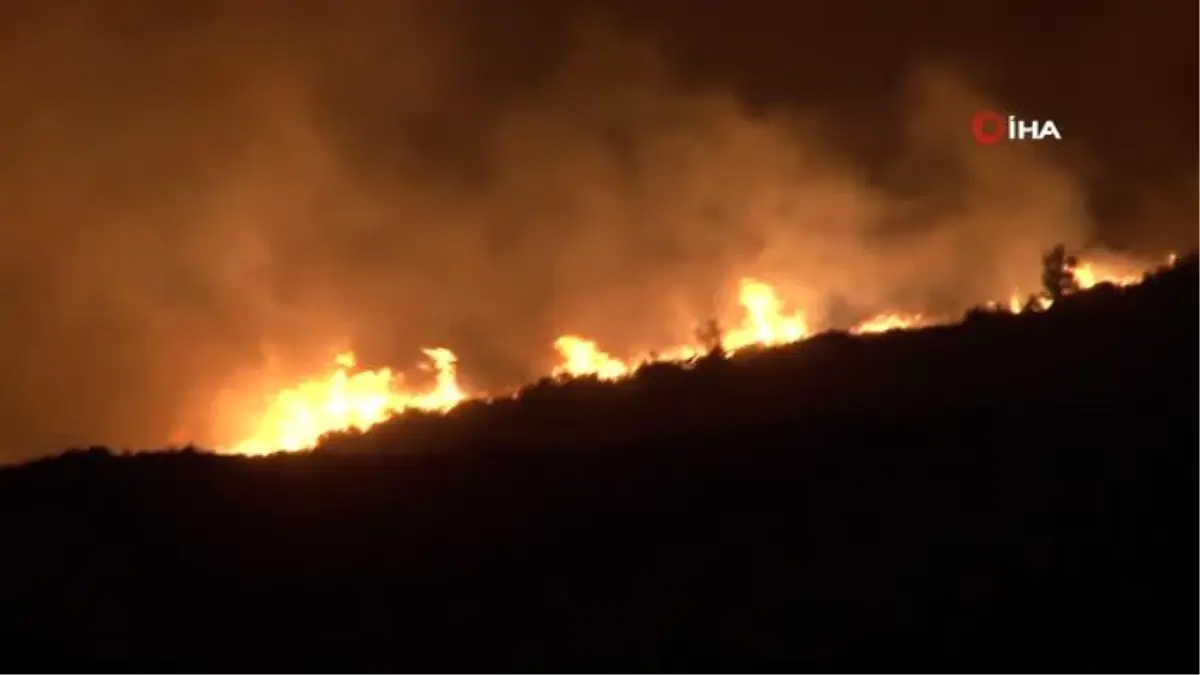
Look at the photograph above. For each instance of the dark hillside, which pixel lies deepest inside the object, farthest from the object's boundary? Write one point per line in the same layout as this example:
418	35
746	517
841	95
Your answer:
1010	493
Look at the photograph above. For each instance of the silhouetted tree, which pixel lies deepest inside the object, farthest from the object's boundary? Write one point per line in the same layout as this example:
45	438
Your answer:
708	334
1058	273
92	453
982	313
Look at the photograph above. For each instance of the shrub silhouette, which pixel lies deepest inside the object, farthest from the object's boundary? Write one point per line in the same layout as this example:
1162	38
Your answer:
709	335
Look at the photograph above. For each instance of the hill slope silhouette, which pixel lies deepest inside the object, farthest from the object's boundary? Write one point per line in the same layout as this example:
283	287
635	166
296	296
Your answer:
1015	492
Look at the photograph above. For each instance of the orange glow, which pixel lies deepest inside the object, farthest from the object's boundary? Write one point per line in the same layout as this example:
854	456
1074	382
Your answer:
1088	274
884	323
296	418
345	398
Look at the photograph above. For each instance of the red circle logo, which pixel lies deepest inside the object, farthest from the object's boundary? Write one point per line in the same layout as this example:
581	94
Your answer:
988	127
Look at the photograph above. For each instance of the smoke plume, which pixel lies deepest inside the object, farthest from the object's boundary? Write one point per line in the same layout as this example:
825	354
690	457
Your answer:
192	204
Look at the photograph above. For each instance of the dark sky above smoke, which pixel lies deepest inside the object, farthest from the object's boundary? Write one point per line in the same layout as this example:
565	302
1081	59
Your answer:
192	192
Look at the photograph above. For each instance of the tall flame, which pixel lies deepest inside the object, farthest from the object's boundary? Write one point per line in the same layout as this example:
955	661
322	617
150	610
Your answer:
297	417
765	323
345	398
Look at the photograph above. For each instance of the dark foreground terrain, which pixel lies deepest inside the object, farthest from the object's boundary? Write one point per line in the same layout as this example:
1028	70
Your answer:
1011	493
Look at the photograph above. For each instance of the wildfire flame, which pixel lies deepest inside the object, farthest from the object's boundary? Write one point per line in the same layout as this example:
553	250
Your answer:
346	398
1088	275
296	418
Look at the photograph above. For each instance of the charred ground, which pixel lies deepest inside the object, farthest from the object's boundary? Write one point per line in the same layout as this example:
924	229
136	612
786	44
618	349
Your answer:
1011	492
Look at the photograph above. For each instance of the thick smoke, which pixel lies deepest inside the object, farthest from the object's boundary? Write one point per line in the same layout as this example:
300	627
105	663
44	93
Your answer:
187	209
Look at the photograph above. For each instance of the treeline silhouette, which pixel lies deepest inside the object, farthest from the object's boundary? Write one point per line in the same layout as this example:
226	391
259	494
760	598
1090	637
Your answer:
1014	492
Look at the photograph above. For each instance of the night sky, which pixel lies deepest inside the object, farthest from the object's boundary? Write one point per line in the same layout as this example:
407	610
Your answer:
191	190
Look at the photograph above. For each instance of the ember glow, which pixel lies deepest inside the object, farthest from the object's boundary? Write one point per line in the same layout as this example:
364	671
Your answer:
346	397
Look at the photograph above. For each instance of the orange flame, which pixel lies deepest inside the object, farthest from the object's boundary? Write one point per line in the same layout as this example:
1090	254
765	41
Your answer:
885	323
296	417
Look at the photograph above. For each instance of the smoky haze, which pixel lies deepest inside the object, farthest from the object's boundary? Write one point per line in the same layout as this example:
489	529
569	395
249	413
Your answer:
203	199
